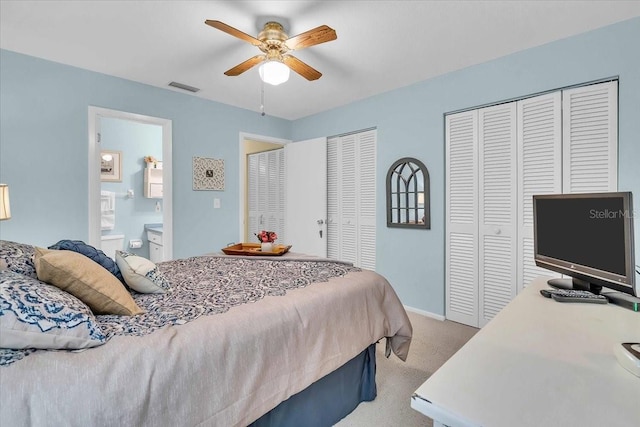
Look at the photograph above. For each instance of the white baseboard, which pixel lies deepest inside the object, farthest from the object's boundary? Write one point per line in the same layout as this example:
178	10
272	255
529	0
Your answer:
425	313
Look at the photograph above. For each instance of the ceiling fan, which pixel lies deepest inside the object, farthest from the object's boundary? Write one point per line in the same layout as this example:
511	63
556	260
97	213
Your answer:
276	45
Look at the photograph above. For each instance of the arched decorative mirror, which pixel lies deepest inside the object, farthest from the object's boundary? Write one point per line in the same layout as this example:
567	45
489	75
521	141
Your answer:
408	200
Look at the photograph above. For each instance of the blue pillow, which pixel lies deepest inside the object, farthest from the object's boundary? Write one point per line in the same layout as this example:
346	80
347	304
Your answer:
17	257
90	252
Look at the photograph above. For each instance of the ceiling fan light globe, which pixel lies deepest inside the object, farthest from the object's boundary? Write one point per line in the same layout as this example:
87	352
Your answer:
274	72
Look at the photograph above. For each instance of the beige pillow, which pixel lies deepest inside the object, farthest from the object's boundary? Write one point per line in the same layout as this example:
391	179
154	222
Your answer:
141	274
86	280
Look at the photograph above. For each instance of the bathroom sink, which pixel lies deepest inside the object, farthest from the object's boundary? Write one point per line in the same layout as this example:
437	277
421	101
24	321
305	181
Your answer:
157	228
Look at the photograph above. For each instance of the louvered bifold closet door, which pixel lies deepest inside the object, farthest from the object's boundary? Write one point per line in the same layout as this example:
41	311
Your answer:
366	196
540	171
351	198
497	191
253	220
273	193
266	193
590	138
263	190
281	204
348	200
333	199
462	218
277	191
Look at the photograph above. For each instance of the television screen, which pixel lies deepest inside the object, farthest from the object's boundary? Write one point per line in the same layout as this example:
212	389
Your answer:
587	236
589	232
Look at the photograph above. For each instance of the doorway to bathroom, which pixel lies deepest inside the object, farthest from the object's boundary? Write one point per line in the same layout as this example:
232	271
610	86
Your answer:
121	155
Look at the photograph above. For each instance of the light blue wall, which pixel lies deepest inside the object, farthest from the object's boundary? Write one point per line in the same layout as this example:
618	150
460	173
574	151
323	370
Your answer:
44	151
135	141
43	143
410	122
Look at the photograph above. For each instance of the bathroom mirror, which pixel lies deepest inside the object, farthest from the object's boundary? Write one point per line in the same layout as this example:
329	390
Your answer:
408	199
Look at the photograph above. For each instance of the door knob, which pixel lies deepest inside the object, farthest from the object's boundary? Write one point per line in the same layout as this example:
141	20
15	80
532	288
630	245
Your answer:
320	222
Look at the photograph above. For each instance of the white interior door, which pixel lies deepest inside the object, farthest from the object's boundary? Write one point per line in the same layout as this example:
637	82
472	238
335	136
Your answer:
306	196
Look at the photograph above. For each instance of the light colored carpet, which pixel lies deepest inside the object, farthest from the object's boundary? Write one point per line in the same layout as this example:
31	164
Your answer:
433	342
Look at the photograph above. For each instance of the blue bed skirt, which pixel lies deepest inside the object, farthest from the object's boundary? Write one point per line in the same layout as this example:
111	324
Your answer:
329	399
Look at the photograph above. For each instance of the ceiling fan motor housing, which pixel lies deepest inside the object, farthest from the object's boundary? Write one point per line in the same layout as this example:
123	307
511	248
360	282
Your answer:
273	37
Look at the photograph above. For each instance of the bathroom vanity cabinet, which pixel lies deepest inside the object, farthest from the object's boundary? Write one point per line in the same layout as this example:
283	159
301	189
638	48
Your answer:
154	236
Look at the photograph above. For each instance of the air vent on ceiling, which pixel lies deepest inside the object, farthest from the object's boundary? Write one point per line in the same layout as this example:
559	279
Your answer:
184	87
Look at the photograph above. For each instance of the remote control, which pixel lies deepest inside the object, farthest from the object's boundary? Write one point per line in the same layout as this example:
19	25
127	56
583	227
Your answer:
565	295
546	292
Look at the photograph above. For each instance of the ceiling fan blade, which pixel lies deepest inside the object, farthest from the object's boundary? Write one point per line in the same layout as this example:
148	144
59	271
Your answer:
244	66
301	68
234	32
313	37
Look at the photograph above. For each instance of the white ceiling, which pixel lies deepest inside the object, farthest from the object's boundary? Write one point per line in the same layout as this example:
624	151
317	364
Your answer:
381	45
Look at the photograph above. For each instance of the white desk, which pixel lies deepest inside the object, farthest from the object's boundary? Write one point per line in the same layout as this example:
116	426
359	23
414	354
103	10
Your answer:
539	363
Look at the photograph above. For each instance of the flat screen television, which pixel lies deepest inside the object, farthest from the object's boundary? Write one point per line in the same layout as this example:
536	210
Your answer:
588	237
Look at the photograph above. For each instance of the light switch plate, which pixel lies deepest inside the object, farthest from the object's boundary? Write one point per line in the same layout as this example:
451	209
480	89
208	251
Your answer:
216	203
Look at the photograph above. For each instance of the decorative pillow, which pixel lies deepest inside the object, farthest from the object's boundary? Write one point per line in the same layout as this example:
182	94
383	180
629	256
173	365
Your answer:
141	274
17	257
36	315
86	280
90	252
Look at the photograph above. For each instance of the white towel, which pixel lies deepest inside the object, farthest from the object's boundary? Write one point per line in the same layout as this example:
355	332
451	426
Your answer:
107	210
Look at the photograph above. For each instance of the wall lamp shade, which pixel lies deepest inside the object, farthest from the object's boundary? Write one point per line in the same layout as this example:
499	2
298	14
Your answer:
274	72
5	208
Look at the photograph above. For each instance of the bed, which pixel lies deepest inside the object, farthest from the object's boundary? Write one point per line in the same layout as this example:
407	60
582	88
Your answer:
235	341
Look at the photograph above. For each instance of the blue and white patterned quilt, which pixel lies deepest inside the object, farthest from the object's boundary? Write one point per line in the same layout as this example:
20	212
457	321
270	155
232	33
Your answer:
208	285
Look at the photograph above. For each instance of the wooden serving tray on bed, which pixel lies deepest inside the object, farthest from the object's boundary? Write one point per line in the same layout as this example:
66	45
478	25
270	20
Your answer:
255	249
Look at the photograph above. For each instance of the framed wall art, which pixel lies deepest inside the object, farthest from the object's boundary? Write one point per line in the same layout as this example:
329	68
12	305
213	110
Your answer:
111	166
208	174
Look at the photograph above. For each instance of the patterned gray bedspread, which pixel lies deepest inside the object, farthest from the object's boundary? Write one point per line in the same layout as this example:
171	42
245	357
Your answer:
208	285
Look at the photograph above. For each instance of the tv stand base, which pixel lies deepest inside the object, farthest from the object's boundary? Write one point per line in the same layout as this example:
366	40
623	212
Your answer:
623	300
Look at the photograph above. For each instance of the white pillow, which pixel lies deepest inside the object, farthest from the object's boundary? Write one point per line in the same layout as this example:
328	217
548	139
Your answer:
141	274
34	314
